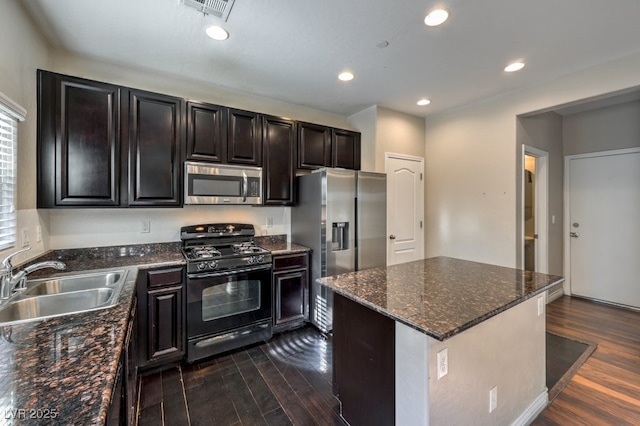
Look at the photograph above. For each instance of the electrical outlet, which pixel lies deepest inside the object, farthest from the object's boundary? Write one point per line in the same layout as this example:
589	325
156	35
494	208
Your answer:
493	398
269	221
442	359
540	305
146	226
38	234
25	237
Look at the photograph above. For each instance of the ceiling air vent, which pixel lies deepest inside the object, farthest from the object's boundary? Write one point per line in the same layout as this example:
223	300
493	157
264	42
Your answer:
218	8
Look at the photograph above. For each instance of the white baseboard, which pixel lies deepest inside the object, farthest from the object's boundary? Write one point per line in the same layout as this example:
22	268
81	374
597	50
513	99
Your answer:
557	293
536	407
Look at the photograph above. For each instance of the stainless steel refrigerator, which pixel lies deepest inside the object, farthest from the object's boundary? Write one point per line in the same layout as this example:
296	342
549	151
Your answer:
342	216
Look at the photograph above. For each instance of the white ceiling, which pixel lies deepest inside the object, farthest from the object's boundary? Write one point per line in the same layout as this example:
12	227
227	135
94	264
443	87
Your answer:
292	50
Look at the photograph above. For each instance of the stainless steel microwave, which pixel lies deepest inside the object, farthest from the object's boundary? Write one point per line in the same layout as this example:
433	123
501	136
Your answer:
206	183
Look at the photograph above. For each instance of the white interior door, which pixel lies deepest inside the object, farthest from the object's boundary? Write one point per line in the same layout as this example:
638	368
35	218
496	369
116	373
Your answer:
604	226
405	208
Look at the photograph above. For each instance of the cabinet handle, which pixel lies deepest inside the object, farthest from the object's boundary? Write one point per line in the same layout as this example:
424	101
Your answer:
392	237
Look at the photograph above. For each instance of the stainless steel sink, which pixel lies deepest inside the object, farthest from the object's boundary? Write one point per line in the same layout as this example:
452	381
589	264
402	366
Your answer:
73	283
63	295
55	305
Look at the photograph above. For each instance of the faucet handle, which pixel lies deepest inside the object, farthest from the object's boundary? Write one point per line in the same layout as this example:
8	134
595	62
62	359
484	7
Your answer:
6	263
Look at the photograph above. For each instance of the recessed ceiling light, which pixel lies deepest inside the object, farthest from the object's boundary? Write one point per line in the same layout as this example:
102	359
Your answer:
423	102
516	66
346	76
436	17
217	33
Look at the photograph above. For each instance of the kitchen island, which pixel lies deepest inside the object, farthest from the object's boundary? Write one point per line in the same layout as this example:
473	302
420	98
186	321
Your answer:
440	341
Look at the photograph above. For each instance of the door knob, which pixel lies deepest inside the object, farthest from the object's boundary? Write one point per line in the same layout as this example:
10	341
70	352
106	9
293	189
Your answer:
574	234
392	237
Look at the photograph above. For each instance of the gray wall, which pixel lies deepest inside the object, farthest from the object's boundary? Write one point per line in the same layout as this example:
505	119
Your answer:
591	130
602	129
471	158
544	131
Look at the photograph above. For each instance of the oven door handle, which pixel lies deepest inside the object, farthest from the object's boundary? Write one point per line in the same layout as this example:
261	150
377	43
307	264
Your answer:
230	272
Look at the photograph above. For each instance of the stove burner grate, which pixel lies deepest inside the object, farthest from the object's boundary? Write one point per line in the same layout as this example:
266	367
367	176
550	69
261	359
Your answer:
205	253
246	248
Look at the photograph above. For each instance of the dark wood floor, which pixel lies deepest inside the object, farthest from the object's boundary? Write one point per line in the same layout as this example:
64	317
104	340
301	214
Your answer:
288	380
606	389
282	382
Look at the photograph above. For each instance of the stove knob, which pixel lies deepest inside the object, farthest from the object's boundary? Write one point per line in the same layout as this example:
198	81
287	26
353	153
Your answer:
201	266
213	265
251	260
260	258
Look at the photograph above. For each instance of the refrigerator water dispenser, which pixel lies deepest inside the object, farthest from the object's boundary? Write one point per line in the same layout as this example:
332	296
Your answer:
339	236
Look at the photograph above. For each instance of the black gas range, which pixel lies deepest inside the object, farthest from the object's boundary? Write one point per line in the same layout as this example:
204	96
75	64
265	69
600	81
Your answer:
229	288
218	247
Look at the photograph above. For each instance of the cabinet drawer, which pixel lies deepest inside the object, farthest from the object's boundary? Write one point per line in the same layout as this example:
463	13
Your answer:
164	277
290	261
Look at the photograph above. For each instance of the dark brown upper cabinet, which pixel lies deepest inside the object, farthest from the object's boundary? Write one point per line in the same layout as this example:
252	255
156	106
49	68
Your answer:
279	145
154	135
78	145
314	146
244	140
322	146
346	149
103	145
206	132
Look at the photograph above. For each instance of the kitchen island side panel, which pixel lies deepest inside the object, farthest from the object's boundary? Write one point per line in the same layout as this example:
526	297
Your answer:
506	351
363	363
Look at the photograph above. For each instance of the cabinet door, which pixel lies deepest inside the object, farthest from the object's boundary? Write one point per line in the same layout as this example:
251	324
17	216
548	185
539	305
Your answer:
279	144
154	149
346	149
78	142
165	323
291	296
314	146
161	316
131	367
116	414
244	140
206	132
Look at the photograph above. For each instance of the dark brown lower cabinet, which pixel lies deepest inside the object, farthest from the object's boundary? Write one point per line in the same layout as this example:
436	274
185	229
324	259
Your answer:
290	291
161	316
363	363
124	396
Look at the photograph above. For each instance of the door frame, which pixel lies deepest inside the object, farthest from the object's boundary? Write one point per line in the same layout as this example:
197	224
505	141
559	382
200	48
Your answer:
387	157
541	207
567	204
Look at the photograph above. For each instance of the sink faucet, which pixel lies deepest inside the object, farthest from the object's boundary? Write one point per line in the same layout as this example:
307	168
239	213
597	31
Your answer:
10	283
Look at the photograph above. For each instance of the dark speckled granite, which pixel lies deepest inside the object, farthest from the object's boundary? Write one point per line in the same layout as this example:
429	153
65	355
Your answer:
83	259
277	244
68	365
440	296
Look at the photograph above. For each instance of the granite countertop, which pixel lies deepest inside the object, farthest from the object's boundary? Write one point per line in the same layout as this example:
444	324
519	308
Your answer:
440	296
62	370
278	245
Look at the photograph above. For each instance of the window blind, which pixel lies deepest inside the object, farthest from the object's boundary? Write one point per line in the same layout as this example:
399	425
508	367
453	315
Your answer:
10	113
